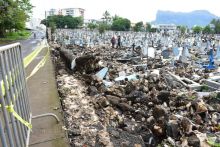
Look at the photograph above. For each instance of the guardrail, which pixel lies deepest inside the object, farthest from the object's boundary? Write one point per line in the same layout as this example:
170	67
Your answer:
15	113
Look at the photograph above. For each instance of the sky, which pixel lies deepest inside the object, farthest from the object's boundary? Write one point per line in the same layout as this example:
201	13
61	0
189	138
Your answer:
135	10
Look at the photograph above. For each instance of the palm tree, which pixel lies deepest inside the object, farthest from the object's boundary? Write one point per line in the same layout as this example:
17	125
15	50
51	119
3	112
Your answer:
106	16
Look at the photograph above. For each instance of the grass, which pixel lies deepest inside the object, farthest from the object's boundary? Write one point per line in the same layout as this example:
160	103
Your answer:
13	36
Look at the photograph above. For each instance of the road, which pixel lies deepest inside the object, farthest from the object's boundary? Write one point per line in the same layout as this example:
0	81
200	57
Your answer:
30	44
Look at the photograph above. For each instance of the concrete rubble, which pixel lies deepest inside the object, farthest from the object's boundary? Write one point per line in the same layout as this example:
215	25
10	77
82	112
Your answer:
112	97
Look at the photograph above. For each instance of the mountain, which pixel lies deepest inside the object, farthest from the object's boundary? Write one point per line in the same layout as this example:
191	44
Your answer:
198	17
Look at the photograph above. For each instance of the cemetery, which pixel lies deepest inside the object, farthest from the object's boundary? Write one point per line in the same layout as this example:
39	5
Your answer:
156	89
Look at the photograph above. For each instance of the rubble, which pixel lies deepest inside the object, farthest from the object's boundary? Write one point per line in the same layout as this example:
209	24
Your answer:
107	101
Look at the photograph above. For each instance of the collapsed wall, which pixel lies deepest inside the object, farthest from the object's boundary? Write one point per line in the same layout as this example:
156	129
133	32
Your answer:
150	108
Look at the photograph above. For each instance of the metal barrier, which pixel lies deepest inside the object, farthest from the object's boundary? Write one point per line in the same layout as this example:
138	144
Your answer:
15	114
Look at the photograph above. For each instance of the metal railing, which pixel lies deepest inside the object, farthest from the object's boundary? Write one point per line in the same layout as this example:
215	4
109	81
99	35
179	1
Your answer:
13	93
15	113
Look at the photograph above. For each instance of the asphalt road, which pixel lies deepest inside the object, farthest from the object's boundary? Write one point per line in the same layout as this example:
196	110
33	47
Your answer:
30	44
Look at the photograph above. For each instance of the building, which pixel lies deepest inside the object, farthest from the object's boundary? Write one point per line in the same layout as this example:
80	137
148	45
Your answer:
167	27
74	12
88	21
164	27
52	12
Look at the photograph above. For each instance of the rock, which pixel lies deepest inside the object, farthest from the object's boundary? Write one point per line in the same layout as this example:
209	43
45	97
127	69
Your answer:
129	87
92	90
193	141
148	137
184	142
172	129
103	102
87	63
186	125
116	101
158	130
74	132
116	134
201	107
125	107
134	95
151	120
171	141
150	104
103	139
159	111
163	96
102	88
125	144
137	145
198	119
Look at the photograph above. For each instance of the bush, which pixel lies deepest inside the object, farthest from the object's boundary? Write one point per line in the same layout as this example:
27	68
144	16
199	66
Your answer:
19	35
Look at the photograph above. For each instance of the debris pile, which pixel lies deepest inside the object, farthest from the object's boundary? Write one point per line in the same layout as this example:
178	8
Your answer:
110	100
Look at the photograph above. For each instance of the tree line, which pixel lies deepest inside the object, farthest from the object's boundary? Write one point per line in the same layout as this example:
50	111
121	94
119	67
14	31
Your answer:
60	21
212	28
117	23
13	15
108	22
123	24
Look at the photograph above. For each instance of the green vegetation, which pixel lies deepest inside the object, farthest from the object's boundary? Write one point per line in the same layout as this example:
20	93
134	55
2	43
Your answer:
13	15
102	27
61	22
148	27
106	17
92	26
18	35
182	29
192	97
216	23
218	95
197	29
121	24
12	36
207	30
139	27
205	88
153	30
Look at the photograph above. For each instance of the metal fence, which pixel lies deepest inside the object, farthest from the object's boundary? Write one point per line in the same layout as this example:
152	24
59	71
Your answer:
15	109
15	113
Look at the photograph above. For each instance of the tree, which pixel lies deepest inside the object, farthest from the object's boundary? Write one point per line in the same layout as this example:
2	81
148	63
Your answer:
216	23
107	16
52	25
139	27
77	22
63	21
182	29
121	24
13	15
207	30
148	27
197	29
153	30
92	26
102	27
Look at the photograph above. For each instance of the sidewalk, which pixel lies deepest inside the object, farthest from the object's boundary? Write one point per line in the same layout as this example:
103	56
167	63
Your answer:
44	99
